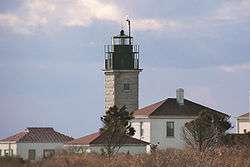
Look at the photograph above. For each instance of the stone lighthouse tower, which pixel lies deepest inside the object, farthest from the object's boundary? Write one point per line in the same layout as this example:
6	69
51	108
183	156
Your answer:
122	72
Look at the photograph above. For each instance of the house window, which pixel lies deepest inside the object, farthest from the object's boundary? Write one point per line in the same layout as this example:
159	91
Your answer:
170	129
245	131
126	86
8	152
0	152
32	154
141	129
48	153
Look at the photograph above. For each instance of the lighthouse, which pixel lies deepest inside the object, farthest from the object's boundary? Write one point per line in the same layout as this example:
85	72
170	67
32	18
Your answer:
122	72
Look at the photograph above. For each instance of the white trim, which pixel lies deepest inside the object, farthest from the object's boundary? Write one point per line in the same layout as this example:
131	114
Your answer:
173	117
76	145
140	116
243	118
102	145
120	71
7	142
164	117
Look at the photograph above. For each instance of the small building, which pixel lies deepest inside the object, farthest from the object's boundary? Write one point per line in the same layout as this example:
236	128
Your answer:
96	142
33	143
243	123
162	123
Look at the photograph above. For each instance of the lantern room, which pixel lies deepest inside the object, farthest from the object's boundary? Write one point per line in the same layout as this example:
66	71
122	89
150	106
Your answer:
121	54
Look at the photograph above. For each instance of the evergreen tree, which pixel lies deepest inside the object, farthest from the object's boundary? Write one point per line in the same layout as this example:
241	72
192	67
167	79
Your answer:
116	129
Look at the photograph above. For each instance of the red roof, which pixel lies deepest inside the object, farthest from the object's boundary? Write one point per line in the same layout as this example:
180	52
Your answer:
170	107
38	135
85	139
98	138
149	109
15	137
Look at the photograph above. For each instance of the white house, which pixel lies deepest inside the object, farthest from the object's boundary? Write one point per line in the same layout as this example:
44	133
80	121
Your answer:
95	143
162	123
243	121
33	143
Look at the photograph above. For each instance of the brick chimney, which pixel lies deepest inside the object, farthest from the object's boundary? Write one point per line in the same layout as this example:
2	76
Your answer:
180	96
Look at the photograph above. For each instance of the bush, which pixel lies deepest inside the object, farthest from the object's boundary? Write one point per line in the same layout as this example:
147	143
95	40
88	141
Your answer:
12	162
237	140
223	156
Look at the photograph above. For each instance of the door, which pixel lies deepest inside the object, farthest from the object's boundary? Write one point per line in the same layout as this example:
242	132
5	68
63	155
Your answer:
32	155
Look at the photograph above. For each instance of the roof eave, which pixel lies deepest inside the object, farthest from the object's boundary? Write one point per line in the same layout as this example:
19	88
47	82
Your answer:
76	145
173	116
8	142
141	116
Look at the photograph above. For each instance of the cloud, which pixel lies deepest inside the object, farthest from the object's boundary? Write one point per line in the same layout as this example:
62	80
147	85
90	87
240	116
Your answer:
235	68
238	11
33	15
155	24
82	13
36	14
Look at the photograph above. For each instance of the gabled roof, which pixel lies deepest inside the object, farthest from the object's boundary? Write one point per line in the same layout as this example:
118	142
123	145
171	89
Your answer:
99	139
85	140
148	110
38	135
170	107
15	137
246	115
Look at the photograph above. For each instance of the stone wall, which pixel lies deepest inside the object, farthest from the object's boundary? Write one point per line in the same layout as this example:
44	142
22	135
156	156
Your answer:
114	89
109	90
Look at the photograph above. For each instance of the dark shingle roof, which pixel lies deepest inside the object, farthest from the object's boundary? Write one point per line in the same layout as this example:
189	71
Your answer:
170	107
99	139
39	135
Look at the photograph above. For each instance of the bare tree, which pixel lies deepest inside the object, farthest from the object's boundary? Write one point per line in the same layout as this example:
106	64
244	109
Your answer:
207	130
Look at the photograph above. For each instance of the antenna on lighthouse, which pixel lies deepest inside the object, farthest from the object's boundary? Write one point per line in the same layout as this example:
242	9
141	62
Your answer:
129	30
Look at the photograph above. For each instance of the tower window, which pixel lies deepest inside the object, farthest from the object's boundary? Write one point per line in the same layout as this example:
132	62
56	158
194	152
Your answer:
126	86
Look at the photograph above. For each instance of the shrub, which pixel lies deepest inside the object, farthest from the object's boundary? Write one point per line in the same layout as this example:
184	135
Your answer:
222	156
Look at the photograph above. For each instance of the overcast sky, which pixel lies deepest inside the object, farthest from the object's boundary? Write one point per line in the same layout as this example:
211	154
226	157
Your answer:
51	56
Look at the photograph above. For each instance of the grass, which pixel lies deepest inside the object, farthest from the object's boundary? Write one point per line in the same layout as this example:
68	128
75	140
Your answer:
229	157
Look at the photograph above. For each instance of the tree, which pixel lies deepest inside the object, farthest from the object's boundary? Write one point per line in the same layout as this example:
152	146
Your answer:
116	129
207	130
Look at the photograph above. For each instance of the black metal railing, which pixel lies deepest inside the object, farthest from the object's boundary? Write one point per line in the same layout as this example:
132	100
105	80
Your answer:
110	53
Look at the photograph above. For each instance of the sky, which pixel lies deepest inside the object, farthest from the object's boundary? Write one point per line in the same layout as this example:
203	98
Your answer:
51	57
